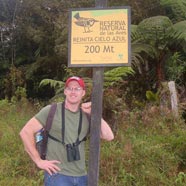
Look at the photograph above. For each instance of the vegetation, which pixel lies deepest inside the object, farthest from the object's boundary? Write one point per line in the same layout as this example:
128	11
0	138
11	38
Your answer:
149	149
34	37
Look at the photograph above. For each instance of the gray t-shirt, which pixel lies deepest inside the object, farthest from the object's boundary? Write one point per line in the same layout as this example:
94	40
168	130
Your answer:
56	150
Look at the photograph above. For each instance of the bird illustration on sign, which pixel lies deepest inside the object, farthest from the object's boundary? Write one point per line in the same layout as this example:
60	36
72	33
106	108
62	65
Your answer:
84	22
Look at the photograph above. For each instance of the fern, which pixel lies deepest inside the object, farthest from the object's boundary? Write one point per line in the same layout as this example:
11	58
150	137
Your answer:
57	85
180	28
116	75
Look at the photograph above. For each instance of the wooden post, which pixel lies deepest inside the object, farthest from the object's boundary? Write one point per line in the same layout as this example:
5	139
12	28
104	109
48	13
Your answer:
96	115
174	101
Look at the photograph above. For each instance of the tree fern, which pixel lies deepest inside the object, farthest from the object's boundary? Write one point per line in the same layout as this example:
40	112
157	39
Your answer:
175	10
139	47
154	29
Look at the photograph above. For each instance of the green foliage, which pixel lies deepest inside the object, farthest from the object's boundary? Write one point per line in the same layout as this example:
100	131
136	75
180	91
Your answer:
180	28
113	95
15	168
43	68
146	151
175	10
181	180
149	149
140	9
176	68
156	40
153	97
13	82
20	94
115	75
34	35
57	85
154	29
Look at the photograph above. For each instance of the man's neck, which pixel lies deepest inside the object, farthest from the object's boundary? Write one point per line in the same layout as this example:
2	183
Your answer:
71	107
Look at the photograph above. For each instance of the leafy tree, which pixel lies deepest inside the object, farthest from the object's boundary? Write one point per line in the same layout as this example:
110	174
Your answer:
34	35
140	9
44	28
8	11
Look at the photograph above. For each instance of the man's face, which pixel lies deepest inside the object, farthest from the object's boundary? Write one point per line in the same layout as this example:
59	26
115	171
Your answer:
74	92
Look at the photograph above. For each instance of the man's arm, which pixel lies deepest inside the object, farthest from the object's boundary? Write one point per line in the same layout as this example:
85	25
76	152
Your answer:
27	135
106	132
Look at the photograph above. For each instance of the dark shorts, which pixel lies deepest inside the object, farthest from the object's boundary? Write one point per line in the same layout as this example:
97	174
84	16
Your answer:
62	180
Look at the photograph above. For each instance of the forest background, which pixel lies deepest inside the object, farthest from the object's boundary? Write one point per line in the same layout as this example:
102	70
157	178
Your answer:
149	146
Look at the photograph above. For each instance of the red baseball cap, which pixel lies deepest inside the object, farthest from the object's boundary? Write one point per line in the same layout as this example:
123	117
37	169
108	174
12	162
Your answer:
75	78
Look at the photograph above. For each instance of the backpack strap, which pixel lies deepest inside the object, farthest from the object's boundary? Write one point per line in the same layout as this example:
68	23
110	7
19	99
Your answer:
50	117
47	128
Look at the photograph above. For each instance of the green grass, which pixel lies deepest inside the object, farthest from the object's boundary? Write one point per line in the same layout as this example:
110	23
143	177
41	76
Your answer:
143	155
16	168
150	151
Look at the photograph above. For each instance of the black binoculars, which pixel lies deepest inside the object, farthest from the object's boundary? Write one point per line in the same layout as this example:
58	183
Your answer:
72	152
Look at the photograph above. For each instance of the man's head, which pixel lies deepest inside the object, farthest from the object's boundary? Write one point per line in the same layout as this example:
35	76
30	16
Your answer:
74	90
75	78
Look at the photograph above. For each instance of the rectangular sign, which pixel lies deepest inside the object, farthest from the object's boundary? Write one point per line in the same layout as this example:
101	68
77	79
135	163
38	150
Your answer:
99	37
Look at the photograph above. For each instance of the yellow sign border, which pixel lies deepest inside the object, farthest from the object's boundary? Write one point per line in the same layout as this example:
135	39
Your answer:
99	37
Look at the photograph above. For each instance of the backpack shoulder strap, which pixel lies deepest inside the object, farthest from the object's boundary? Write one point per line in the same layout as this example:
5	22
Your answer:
47	129
50	117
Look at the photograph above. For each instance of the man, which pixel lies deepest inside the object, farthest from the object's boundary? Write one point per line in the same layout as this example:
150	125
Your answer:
60	169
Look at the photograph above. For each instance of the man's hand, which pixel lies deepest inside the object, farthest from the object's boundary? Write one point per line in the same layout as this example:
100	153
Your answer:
86	107
106	132
49	166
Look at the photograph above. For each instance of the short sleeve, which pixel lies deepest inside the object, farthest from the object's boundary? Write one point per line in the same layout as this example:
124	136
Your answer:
42	115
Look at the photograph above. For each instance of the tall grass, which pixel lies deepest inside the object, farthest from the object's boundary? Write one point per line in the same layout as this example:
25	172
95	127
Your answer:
147	150
146	153
16	168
